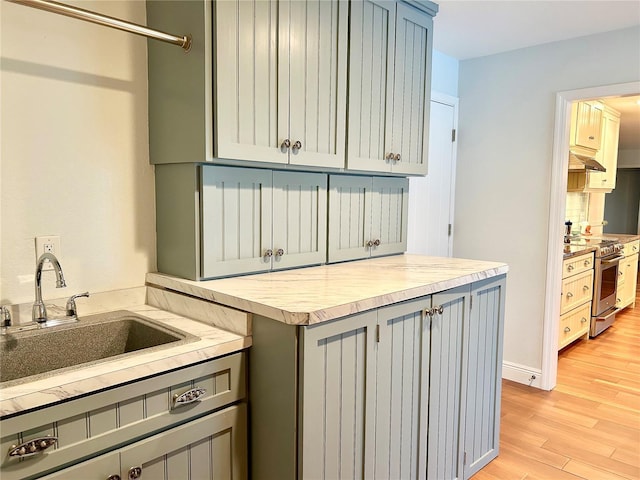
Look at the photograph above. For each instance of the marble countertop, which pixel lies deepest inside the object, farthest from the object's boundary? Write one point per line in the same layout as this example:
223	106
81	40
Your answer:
69	383
312	295
585	244
570	251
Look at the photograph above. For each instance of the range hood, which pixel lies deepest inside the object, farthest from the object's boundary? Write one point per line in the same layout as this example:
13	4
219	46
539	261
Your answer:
579	162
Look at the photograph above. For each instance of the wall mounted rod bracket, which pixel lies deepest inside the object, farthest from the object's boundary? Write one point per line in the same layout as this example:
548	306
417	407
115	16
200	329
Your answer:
104	20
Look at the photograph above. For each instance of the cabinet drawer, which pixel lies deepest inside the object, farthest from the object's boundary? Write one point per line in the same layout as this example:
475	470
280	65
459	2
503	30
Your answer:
575	265
574	324
576	290
96	423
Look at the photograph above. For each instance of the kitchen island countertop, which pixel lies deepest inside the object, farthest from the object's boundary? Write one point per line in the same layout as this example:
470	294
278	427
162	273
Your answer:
312	295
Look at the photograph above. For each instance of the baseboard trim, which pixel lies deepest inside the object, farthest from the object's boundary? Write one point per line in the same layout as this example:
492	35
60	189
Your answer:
522	374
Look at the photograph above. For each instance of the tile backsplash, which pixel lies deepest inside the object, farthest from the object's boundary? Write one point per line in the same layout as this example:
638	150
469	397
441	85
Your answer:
577	208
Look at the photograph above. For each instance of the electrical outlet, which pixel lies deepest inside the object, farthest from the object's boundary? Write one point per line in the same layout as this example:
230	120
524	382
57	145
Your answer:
48	244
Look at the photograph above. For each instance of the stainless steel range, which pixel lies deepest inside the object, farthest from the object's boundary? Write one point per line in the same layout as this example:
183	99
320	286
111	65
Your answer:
603	310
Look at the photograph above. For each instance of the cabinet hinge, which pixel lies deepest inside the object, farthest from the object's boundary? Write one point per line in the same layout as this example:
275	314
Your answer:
470	302
464	460
378	333
449	230
453	135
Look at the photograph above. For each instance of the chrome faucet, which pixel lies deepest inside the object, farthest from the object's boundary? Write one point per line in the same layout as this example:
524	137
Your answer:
39	313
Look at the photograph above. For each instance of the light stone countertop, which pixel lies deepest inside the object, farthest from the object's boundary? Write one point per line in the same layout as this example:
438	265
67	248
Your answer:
213	342
312	295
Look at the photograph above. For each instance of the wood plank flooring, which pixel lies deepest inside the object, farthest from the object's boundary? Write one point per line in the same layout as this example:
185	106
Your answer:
588	427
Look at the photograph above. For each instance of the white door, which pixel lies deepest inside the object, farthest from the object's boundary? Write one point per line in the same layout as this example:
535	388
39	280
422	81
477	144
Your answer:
431	197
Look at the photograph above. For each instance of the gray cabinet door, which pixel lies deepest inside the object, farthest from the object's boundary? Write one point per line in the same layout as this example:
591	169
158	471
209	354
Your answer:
210	448
98	468
338	387
483	374
247	82
367	216
349	217
236	220
446	386
389	210
313	60
402	386
371	60
299	219
411	90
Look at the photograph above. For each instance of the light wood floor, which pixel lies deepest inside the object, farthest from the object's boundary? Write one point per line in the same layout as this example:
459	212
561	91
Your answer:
588	427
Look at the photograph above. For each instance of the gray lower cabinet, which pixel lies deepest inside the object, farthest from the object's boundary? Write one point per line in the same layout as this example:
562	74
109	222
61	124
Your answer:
216	221
367	217
212	447
137	425
407	391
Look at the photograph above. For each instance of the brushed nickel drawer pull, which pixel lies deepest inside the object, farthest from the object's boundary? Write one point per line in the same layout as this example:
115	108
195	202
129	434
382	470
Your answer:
567	329
570	267
587	263
583	320
32	447
569	294
585	287
190	396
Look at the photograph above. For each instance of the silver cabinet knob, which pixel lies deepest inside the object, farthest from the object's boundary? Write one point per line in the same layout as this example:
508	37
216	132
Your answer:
279	252
369	244
135	472
583	320
592	138
376	242
297	145
285	144
397	157
585	287
113	477
569	294
567	329
587	263
439	309
569	267
268	253
390	156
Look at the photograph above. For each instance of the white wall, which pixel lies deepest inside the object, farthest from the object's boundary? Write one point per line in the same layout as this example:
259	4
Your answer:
74	154
628	158
506	121
444	74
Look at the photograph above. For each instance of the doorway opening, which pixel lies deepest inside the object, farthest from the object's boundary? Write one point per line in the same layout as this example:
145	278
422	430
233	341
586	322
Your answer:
559	174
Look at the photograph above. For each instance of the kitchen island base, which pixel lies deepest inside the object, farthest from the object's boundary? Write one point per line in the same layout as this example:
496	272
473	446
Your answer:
408	390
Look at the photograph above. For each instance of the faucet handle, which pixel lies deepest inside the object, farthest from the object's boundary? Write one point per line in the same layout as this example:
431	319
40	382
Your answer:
5	316
71	303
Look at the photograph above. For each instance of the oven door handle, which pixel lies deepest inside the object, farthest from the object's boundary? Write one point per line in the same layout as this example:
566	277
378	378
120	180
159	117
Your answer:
610	261
608	315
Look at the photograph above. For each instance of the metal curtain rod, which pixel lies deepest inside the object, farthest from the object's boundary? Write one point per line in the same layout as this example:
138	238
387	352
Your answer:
86	15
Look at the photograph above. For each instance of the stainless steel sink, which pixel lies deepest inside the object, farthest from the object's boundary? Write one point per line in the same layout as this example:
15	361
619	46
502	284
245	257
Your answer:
33	354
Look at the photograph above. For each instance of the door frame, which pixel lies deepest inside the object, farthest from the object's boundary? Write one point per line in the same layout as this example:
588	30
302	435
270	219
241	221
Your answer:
557	206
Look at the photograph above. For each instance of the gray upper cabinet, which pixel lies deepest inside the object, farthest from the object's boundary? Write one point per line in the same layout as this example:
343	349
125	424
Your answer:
389	86
264	82
367	216
215	221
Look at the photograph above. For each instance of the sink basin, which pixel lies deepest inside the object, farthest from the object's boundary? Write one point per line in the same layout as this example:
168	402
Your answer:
33	354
